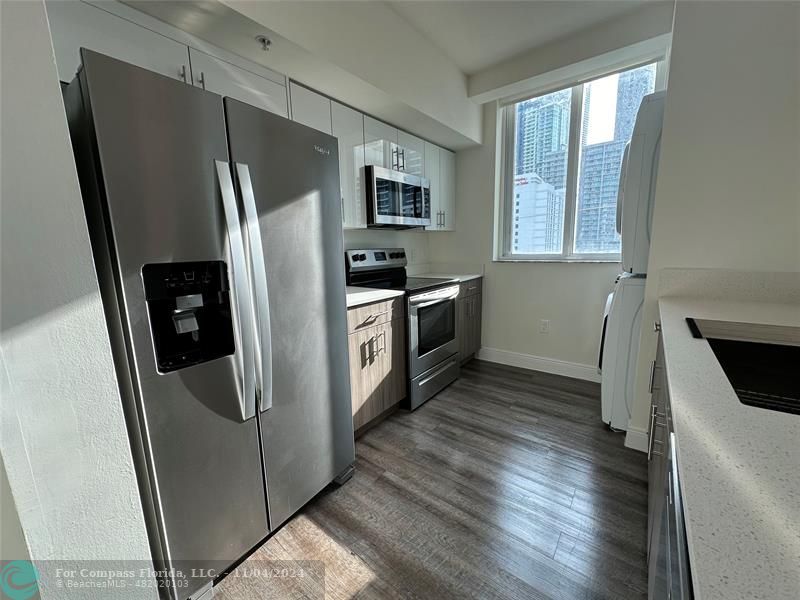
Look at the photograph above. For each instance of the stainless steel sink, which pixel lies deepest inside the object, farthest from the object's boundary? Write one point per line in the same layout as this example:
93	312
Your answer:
762	362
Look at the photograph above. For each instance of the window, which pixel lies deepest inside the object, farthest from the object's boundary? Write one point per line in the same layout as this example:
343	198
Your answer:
561	186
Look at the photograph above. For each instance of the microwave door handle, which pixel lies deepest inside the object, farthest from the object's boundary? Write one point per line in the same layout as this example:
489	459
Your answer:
245	362
258	273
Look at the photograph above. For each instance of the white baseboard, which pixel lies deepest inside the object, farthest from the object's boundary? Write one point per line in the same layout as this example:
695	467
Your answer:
637	439
540	363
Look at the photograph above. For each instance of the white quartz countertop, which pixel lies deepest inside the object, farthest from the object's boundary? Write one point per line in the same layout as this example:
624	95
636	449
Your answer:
739	466
356	296
462	277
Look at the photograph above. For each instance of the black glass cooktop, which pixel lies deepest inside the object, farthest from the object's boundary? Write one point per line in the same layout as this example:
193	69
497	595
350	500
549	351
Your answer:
411	284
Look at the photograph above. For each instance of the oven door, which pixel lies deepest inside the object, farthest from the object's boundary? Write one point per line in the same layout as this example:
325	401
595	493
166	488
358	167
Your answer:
431	328
396	199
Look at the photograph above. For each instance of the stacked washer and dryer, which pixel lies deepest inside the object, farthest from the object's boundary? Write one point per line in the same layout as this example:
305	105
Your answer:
622	318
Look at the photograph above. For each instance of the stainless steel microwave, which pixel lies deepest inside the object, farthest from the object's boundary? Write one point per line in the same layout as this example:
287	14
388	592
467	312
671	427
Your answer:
395	199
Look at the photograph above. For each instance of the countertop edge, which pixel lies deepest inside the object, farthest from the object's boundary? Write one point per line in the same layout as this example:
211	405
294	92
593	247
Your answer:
707	448
359	296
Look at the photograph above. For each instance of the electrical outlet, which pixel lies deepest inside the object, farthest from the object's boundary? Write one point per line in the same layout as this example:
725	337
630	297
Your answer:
544	326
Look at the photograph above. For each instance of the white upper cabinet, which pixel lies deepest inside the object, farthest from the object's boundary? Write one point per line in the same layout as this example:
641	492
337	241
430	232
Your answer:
76	25
348	127
226	79
310	108
440	170
447	190
409	154
432	174
379	141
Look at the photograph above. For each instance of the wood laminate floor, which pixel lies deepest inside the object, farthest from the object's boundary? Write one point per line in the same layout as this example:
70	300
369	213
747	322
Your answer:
505	485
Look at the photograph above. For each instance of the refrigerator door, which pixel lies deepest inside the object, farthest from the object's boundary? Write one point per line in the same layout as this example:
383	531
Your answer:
290	174
159	206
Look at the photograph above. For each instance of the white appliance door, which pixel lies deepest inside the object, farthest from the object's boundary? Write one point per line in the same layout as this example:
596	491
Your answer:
605	407
637	184
621	350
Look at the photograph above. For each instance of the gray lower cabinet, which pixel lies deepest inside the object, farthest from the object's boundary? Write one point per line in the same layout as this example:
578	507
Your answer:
377	348
667	550
468	314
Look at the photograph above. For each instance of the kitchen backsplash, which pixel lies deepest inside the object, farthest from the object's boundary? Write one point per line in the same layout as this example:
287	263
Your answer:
414	241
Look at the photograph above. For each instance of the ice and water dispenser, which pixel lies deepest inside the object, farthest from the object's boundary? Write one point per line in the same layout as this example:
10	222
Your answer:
190	312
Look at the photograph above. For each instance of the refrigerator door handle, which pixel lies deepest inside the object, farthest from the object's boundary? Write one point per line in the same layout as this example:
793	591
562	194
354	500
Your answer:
241	292
258	274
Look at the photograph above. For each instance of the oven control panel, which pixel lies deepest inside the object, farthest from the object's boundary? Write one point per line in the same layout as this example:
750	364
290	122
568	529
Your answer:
375	258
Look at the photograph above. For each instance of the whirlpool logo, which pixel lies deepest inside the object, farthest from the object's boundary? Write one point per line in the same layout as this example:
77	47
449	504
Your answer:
19	580
322	150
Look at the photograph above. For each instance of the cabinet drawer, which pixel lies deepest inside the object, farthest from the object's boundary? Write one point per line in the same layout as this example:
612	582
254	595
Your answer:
471	287
361	317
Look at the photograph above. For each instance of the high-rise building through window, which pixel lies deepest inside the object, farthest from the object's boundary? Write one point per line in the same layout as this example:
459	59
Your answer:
541	164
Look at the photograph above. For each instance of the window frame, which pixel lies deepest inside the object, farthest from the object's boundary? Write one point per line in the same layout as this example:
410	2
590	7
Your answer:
506	132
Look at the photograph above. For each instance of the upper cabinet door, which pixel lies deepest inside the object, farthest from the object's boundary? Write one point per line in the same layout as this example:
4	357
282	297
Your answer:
348	127
76	25
447	189
410	154
379	141
310	108
227	79
432	174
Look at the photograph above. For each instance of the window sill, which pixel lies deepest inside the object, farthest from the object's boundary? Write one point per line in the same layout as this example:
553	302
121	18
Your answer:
616	260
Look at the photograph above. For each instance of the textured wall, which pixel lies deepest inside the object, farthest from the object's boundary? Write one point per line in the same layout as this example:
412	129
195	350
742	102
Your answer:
62	432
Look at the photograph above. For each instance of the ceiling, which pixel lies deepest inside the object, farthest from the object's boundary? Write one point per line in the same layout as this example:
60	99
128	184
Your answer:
476	34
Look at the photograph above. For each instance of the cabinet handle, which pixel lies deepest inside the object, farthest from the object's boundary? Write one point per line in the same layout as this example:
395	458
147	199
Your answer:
656	326
382	348
374	317
652	376
202	80
444	218
182	73
653	410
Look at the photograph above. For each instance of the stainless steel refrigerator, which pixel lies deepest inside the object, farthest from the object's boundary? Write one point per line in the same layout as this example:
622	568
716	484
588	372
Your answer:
216	230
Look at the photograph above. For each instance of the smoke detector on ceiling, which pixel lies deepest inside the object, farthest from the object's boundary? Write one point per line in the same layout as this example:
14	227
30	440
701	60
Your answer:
264	41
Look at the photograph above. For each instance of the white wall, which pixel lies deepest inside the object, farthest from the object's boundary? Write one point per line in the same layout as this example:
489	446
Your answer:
517	295
62	432
728	191
565	59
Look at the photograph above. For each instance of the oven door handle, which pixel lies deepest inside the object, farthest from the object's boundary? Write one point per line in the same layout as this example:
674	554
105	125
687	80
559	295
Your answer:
432	298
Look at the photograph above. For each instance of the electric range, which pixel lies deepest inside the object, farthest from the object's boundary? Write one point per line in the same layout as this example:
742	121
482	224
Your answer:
430	304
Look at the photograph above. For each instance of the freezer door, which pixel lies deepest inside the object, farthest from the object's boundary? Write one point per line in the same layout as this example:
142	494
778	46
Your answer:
290	174
159	188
